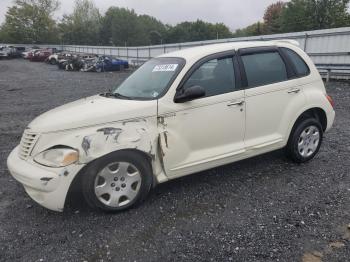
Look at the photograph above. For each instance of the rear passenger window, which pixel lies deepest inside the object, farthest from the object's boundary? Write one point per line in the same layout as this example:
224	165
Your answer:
264	68
301	68
215	76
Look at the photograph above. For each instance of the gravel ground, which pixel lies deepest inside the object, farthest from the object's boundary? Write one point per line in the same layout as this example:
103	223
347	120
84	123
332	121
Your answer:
261	209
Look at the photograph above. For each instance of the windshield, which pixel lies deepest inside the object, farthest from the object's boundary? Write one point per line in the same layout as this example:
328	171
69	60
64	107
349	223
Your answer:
151	80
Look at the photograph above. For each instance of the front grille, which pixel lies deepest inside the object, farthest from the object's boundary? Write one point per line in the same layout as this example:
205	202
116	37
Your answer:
27	143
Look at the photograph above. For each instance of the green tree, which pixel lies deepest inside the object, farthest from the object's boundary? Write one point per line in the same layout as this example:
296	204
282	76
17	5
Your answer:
121	26
301	15
329	13
83	25
197	31
251	30
272	18
153	30
30	21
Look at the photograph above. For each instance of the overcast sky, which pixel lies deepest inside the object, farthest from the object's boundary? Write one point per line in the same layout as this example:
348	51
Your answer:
234	13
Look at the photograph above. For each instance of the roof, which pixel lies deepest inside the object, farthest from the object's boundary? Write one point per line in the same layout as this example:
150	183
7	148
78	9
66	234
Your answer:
205	50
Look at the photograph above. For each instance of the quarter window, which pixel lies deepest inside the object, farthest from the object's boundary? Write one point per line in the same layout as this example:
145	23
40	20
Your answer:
301	69
264	68
215	76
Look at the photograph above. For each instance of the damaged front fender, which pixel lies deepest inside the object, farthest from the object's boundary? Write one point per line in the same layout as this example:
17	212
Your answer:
97	141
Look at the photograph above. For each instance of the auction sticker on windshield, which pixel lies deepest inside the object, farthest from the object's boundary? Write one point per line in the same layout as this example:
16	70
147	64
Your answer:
165	68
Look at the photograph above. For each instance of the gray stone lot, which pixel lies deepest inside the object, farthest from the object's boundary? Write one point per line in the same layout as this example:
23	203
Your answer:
260	209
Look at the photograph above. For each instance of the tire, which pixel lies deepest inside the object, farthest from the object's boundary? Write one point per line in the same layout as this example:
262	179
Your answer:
305	140
53	61
107	187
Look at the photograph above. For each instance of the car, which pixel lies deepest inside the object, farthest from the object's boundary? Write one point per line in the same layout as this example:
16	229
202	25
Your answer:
74	62
104	64
11	52
111	64
40	55
26	54
178	114
19	51
56	57
4	52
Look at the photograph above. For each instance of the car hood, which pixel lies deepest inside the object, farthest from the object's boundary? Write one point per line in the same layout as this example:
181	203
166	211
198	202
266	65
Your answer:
92	111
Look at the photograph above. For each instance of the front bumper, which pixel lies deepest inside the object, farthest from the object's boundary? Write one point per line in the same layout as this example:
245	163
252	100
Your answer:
47	186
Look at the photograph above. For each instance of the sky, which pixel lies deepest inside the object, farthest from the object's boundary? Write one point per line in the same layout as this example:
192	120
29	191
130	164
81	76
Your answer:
234	13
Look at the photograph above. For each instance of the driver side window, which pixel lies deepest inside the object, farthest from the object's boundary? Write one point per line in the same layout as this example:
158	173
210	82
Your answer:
216	76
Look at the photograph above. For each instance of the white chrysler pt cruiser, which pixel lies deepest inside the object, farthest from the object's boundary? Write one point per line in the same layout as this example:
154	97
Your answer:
178	114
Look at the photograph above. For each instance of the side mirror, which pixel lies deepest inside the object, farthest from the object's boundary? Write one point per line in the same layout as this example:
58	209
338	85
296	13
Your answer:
189	94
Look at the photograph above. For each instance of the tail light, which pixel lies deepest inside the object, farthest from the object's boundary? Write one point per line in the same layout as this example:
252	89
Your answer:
330	100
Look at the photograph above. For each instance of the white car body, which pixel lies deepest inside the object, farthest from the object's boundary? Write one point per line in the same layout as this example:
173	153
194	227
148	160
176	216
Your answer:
53	56
57	57
25	54
179	138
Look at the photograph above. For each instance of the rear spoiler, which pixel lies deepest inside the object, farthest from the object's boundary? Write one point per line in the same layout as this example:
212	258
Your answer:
289	41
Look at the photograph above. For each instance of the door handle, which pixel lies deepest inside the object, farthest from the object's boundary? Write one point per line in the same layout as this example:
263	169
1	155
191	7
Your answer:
236	103
294	91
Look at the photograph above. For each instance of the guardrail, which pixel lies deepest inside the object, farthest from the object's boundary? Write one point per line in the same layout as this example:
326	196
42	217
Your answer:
341	71
329	46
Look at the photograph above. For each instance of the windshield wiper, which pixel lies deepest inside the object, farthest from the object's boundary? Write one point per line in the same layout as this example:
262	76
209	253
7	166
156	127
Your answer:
116	95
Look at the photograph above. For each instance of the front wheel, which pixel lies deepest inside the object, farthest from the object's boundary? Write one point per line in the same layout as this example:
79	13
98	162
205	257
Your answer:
305	140
117	181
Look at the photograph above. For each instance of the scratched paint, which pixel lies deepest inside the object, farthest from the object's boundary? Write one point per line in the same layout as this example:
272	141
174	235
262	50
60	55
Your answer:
86	144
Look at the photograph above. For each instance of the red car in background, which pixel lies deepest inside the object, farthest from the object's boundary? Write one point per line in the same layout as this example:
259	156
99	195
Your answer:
39	55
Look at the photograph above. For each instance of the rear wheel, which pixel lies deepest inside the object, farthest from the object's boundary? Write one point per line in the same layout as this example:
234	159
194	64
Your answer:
305	140
117	181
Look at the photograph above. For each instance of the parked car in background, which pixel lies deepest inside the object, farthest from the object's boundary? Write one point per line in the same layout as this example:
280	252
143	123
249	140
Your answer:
11	52
25	54
178	114
104	64
20	50
56	57
40	55
4	53
75	62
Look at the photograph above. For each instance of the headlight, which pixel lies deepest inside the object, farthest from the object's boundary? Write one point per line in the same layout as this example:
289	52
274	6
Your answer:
57	157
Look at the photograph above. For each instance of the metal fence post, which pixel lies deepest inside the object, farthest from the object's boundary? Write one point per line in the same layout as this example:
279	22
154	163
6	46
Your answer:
149	52
305	42
328	75
127	53
164	49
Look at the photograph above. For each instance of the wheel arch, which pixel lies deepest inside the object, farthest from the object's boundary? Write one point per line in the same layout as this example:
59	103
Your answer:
315	112
75	184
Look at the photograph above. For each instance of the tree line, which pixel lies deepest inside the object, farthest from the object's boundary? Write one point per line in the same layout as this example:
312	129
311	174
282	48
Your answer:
32	22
